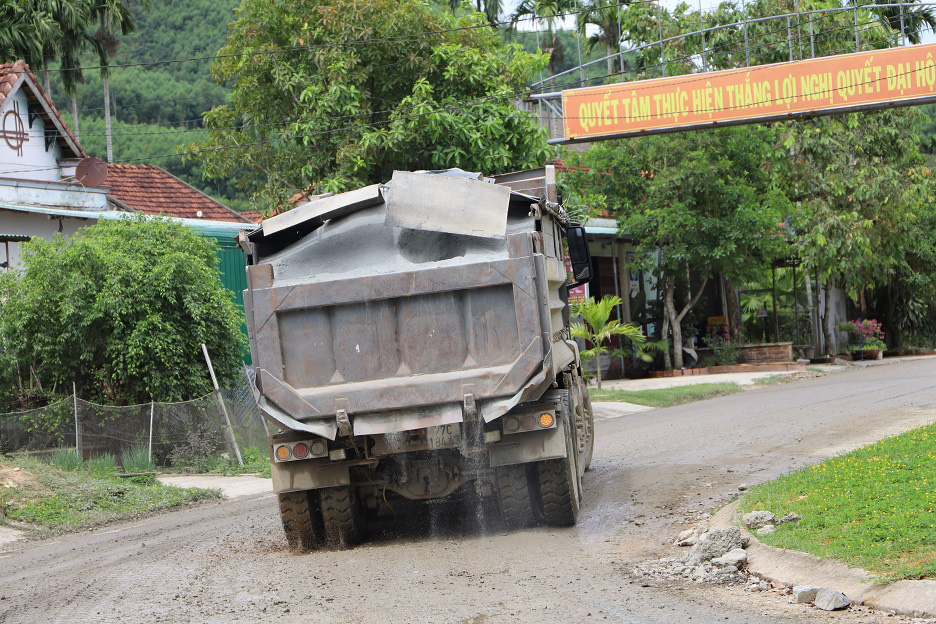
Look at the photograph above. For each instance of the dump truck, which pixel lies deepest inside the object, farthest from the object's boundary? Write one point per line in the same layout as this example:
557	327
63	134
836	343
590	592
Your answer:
412	339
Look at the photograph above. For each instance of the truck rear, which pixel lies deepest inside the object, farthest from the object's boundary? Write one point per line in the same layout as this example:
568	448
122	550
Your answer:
412	339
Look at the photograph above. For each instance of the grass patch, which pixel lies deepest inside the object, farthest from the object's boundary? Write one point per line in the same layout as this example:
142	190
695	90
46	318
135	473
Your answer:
43	496
774	380
873	508
256	460
136	460
666	397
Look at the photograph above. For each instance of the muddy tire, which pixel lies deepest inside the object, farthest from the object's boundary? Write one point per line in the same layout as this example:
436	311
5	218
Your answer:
339	517
513	496
301	521
560	485
585	424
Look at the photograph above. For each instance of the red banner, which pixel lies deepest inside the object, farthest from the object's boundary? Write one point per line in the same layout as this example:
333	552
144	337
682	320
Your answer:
875	79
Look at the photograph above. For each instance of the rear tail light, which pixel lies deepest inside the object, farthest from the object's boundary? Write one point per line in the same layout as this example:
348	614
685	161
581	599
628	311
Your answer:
294	451
529	422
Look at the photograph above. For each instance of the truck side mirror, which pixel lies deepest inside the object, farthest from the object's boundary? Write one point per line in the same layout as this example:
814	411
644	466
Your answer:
579	254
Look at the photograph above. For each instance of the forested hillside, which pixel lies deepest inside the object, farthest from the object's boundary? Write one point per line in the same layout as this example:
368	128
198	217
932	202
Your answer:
158	108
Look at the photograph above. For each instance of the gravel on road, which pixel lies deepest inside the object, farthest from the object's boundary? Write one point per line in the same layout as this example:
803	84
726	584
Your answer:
653	474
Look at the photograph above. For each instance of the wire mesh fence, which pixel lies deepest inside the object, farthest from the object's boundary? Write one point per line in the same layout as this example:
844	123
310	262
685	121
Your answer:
184	435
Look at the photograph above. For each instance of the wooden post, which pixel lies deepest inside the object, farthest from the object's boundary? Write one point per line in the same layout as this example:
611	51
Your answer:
227	421
152	411
77	428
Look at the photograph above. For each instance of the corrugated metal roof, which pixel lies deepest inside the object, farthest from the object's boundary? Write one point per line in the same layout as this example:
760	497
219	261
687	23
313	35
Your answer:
13	238
209	228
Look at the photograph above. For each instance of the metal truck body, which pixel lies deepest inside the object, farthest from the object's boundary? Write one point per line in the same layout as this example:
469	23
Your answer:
412	338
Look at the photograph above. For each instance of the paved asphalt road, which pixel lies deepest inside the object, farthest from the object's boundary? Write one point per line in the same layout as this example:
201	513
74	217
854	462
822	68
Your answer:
652	473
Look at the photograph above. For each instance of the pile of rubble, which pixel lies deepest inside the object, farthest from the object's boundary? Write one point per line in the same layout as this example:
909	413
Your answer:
718	557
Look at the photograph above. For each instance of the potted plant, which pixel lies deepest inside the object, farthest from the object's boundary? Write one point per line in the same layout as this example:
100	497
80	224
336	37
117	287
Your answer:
865	339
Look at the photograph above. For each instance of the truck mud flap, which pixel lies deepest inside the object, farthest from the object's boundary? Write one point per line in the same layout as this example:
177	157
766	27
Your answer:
530	447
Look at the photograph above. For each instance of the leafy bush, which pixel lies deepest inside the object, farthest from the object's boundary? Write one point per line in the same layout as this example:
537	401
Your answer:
199	451
121	308
256	460
65	459
723	352
136	460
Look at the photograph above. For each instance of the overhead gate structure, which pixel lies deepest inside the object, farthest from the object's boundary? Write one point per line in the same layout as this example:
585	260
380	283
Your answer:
809	87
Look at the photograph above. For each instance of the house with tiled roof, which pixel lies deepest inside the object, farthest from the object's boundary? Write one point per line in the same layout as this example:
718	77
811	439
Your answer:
43	191
39	194
155	191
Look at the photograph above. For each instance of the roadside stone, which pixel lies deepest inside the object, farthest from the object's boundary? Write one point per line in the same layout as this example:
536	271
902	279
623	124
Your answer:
805	593
831	600
766	530
714	544
757	519
790	517
763	586
742	487
736	558
689	537
714	575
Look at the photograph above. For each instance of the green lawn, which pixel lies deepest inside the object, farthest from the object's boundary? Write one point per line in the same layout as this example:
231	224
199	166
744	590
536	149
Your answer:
40	496
665	397
873	508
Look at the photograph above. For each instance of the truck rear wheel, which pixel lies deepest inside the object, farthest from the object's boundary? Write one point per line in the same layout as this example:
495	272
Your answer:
339	517
301	521
585	424
560	485
513	495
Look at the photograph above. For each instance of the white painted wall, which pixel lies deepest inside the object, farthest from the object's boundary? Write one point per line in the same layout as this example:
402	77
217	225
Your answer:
27	159
30	224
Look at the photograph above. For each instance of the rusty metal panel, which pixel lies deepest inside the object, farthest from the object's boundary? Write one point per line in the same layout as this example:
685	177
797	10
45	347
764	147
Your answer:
316	212
457	205
396	325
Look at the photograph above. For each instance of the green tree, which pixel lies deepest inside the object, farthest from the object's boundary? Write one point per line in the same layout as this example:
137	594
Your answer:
121	309
866	199
701	202
335	115
598	328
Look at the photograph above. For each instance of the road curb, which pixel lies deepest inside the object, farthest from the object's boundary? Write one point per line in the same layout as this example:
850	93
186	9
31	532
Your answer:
909	598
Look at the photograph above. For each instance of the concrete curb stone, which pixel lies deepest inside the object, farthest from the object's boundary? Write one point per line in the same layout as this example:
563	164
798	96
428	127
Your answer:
910	598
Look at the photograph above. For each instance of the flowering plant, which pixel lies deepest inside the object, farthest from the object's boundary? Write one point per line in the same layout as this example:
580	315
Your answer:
866	334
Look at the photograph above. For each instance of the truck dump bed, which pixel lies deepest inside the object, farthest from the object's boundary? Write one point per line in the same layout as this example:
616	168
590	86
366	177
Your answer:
394	326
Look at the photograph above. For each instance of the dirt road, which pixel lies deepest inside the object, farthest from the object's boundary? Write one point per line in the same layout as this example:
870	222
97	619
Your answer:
227	561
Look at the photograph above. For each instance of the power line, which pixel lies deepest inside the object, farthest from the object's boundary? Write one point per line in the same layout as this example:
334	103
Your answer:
389	121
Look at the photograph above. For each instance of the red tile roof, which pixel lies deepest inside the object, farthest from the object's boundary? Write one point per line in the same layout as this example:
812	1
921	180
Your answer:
149	189
252	215
10	74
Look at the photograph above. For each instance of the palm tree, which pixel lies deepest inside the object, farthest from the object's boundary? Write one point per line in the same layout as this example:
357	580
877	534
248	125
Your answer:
491	8
607	17
598	329
112	17
916	21
43	31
